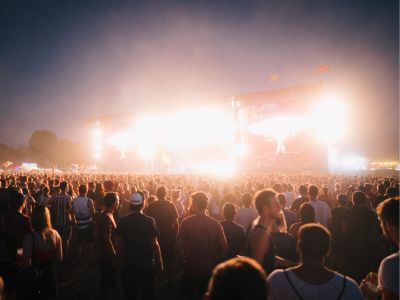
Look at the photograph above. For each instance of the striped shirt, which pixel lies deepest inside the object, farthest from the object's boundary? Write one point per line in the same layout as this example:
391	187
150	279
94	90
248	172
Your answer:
60	213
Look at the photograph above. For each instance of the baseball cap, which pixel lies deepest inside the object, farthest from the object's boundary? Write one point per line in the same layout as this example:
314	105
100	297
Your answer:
136	198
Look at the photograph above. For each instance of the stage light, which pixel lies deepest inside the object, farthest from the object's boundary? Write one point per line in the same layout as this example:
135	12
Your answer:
329	120
216	168
351	163
237	151
97	132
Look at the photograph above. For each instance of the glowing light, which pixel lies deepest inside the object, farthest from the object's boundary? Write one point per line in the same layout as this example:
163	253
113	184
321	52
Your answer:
217	168
238	150
329	120
97	132
354	163
279	128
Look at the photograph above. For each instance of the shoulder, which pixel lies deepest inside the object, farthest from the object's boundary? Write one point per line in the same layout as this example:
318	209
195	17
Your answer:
352	290
276	276
390	263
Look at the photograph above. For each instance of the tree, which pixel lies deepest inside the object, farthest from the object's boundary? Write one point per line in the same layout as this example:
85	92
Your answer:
42	146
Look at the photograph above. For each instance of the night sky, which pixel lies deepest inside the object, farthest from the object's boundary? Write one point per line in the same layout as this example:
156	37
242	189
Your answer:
62	62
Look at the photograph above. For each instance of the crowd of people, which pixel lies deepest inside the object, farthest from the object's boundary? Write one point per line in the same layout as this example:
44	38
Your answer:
248	237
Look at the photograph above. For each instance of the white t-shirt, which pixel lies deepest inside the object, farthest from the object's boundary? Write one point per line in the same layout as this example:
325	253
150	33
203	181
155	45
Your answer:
322	212
281	289
388	275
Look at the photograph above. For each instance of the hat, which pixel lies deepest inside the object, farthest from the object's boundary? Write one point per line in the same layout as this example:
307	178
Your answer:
136	198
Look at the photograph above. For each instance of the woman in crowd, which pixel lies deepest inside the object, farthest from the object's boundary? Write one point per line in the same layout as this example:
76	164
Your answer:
41	250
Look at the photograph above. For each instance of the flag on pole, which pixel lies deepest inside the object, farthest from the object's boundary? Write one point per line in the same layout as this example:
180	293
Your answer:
274	77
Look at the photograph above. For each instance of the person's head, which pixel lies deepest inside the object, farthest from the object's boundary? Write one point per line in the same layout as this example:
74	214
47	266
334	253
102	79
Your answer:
312	192
64	187
82	190
306	213
282	200
108	186
136	201
325	190
342	200
229	211
91	185
314	242
266	204
199	201
392	192
40	218
45	190
246	199
279	225
17	200
161	193
99	187
303	190
151	199
175	195
237	279
388	213
360	199
111	201
277	187
338	187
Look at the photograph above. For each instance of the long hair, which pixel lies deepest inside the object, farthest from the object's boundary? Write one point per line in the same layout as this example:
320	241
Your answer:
40	218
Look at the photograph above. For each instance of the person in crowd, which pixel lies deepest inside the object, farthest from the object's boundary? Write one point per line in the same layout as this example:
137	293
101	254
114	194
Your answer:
44	196
306	216
302	199
311	279
105	244
290	217
321	209
247	213
234	233
360	238
202	245
180	208
336	230
259	244
62	216
91	190
287	191
84	211
284	242
138	251
30	201
41	250
14	226
99	197
166	216
240	278
326	197
386	283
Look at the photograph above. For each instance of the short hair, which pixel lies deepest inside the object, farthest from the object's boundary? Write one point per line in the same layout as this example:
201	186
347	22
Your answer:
303	189
40	218
314	241
200	199
16	199
110	199
45	190
63	186
262	198
313	190
246	199
306	213
82	189
392	192
229	210
282	199
238	278
161	192
341	199
176	194
91	185
359	198
388	211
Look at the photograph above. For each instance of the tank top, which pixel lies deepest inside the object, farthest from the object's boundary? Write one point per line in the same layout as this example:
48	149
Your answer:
268	262
82	212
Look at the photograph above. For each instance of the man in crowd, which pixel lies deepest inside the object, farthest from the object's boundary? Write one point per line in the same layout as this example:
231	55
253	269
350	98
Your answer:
311	279
138	251
202	245
166	216
386	282
62	216
247	213
322	210
234	233
302	199
84	211
290	217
